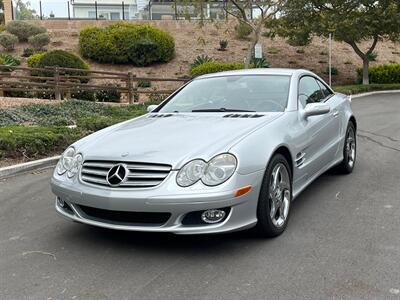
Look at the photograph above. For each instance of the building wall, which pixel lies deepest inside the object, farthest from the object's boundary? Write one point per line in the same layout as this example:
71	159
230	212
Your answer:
109	12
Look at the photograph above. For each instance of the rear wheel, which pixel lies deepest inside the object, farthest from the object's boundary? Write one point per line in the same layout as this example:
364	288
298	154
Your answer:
349	150
275	198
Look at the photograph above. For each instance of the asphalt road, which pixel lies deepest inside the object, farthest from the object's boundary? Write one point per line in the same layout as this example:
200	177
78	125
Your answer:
343	240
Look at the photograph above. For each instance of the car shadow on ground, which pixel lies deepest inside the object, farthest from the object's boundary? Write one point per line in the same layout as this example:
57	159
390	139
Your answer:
181	244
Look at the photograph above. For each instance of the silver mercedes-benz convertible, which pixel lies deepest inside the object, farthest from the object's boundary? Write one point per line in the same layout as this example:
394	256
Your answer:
227	151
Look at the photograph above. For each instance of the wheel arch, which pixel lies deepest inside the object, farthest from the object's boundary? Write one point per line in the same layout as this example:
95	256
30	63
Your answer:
353	120
284	150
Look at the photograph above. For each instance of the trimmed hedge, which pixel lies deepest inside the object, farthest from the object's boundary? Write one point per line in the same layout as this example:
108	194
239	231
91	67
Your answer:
24	30
122	43
382	74
35	141
358	89
57	58
213	67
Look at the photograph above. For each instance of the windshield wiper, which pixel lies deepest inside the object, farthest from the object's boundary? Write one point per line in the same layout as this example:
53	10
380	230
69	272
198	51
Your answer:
222	109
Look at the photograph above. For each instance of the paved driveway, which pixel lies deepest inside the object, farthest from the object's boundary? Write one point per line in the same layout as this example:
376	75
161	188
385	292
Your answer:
343	240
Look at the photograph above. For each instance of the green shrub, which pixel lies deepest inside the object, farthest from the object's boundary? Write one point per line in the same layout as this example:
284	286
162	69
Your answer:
373	56
24	30
242	31
34	59
28	52
143	83
213	67
201	59
106	95
357	89
58	58
2	27
84	95
39	41
121	43
8	41
98	122
334	70
33	141
382	74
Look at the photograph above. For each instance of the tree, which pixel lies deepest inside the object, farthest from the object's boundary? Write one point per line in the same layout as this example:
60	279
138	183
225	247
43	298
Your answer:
24	11
350	21
242	10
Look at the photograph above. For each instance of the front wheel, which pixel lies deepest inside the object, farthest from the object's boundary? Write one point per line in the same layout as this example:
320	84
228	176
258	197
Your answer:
275	198
349	150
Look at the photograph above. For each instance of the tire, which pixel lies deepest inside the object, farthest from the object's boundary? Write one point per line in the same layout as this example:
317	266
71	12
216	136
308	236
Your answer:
349	150
276	199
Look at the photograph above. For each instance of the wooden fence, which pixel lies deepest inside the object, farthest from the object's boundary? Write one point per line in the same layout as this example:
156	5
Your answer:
65	81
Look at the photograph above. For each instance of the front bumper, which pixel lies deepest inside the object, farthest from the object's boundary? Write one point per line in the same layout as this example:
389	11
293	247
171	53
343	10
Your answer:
167	198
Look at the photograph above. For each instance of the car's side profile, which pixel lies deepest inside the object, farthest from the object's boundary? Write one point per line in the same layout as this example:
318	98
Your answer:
228	151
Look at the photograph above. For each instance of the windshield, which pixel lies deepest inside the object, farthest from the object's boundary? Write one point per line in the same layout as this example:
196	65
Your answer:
247	93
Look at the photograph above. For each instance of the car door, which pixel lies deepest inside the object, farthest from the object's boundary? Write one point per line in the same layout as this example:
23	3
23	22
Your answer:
317	132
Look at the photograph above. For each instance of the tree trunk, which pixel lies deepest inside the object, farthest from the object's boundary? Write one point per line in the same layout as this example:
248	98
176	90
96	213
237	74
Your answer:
365	80
254	40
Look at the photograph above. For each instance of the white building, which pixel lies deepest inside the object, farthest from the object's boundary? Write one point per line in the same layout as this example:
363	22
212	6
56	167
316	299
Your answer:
107	9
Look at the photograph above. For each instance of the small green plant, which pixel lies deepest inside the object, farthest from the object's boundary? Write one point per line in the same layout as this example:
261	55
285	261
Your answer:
300	51
24	30
223	44
348	62
2	27
201	59
242	31
259	62
109	95
143	83
39	41
323	53
27	52
8	41
10	60
273	50
84	95
334	70
373	56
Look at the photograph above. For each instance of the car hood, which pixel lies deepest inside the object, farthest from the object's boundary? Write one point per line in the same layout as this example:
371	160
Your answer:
171	139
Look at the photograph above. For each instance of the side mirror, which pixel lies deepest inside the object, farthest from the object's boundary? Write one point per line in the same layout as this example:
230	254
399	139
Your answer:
150	108
316	109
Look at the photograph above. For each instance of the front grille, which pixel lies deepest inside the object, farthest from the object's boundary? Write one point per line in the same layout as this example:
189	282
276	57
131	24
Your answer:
125	217
140	175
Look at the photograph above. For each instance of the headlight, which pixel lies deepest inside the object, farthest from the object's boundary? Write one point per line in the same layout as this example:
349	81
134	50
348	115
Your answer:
191	172
213	173
69	162
76	163
219	169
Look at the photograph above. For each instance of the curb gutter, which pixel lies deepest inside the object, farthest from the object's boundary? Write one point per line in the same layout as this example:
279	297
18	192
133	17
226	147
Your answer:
28	166
52	161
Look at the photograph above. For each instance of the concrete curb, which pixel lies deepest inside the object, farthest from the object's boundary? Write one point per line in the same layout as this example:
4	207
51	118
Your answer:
28	166
374	93
52	161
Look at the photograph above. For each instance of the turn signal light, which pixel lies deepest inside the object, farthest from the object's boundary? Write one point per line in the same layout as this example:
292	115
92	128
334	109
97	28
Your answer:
243	190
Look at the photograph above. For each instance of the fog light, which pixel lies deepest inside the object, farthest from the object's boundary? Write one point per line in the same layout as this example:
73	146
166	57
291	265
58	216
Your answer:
60	202
212	216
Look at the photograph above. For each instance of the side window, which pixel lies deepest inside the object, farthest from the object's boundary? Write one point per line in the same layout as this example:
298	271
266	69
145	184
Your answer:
309	91
327	93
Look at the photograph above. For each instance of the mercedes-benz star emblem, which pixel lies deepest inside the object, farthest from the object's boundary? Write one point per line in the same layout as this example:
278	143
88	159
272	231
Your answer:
117	175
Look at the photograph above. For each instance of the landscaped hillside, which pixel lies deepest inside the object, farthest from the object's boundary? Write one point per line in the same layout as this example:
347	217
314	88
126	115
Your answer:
192	40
